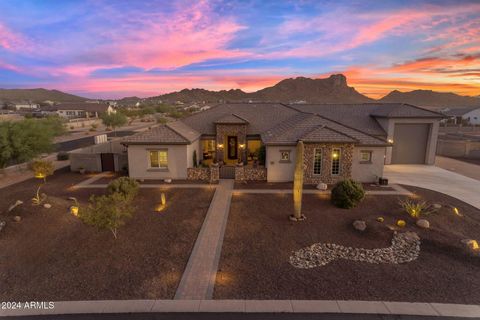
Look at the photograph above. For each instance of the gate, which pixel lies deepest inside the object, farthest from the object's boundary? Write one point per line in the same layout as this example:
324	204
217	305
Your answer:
108	163
227	172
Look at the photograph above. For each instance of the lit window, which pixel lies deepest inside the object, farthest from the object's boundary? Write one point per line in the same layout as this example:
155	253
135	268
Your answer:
365	156
336	161
284	156
317	162
159	159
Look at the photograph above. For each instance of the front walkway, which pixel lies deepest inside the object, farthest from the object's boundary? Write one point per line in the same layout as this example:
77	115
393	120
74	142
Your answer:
437	179
198	278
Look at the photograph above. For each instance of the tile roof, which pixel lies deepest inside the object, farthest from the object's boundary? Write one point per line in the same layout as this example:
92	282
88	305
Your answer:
162	134
231	119
315	128
402	110
184	130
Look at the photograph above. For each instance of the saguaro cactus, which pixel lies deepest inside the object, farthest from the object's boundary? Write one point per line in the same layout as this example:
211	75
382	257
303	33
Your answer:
298	184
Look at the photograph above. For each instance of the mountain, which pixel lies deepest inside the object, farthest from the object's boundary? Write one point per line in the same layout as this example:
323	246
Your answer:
333	89
38	95
428	98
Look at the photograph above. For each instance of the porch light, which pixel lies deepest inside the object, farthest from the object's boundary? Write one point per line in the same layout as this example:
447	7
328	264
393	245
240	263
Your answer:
242	146
220	146
390	140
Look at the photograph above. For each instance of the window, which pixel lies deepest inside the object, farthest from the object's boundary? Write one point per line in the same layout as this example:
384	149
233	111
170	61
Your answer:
284	155
317	161
365	156
158	159
336	161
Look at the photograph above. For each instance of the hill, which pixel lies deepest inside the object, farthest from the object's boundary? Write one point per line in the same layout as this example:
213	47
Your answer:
38	95
333	89
428	98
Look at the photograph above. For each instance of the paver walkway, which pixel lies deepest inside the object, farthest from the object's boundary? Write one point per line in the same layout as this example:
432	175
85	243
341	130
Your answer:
437	179
198	278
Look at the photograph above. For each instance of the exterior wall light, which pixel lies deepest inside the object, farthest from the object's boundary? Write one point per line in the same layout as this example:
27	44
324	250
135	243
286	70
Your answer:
390	140
220	146
242	146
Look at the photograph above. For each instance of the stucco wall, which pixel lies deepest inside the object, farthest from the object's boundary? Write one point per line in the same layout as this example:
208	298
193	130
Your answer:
459	148
194	146
368	172
473	116
138	162
278	171
389	126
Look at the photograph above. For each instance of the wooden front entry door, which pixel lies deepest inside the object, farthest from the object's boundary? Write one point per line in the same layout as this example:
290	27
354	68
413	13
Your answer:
108	164
232	143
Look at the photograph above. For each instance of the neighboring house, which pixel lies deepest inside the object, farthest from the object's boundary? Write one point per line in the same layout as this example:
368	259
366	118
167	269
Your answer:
341	141
79	110
23	106
469	115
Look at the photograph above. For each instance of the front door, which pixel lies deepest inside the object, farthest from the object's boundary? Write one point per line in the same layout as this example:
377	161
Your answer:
108	163
232	152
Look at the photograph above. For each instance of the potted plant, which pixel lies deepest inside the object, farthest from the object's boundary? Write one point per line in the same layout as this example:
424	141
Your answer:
82	170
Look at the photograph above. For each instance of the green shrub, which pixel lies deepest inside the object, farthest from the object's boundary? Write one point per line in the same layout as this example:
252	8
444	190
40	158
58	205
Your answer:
347	194
125	186
62	156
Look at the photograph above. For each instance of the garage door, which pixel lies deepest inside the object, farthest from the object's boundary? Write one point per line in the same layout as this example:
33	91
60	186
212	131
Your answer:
410	143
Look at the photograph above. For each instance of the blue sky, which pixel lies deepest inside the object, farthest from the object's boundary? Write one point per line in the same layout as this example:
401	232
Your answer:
111	49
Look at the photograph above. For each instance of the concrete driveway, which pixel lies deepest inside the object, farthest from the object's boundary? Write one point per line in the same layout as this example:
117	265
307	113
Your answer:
437	179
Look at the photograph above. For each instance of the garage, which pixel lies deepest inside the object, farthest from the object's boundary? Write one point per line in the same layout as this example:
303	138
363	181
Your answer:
410	143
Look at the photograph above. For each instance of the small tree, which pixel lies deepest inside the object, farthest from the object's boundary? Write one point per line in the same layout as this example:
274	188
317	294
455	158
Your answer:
107	212
125	186
42	169
298	183
347	194
261	155
114	120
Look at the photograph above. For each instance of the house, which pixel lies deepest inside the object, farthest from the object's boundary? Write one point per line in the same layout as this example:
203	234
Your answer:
79	110
23	106
469	115
341	141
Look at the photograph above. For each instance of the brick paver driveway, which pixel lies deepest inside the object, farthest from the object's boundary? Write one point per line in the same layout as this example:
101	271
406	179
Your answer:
437	179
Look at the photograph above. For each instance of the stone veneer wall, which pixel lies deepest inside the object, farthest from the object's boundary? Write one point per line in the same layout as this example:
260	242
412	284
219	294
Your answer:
346	159
243	173
203	174
223	130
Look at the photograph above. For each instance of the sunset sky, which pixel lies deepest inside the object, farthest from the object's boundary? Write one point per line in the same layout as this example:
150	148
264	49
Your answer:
112	49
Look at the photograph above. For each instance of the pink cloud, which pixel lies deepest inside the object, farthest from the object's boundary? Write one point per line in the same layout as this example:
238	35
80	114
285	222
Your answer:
10	40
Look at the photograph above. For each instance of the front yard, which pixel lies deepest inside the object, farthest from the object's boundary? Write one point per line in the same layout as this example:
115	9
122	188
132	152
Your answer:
52	255
259	241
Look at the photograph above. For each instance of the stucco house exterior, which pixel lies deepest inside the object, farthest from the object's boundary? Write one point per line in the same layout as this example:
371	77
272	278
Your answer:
341	141
468	115
79	110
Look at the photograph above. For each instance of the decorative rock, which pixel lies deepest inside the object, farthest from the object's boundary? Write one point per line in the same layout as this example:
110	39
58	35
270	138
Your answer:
380	219
16	204
322	186
17	218
2	225
423	223
168	180
436	206
47	205
360	225
405	248
292	218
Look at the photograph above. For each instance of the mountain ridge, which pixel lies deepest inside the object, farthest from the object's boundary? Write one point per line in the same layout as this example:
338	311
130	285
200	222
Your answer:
38	95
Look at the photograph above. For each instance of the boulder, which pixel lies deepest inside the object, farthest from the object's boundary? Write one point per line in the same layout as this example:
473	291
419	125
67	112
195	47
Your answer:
16	204
47	205
423	223
437	206
17	218
359	225
322	186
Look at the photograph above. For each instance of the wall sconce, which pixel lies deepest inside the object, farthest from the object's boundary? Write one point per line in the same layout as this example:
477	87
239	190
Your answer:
220	146
390	140
242	146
